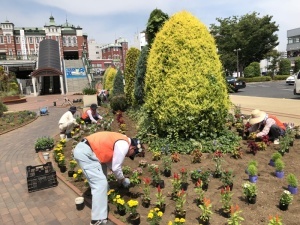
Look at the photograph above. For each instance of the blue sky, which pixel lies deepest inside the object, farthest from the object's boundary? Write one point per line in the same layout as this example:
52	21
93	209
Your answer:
105	21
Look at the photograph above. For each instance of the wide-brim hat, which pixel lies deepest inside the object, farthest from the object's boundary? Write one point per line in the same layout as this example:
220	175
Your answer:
138	147
257	116
73	109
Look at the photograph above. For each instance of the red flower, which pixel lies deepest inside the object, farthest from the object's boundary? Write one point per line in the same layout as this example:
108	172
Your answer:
147	180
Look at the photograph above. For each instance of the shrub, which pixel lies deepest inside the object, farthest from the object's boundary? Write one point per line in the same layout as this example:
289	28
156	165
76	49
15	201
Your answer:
292	180
284	67
132	57
252	170
185	91
279	165
3	108
118	88
275	156
89	91
118	103
253	70
109	78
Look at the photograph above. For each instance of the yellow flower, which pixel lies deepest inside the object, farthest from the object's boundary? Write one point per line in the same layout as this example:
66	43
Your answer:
132	203
177	220
150	215
156	209
118	196
160	214
120	201
79	171
170	223
72	132
182	220
82	122
75	175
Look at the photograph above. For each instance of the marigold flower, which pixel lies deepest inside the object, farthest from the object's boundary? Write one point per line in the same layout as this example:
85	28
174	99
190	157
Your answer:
160	214
182	220
150	215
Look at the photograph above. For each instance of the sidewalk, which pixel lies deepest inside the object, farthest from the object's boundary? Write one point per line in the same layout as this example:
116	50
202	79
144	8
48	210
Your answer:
287	110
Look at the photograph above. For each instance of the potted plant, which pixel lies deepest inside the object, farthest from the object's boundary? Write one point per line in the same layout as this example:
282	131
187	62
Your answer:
240	128
200	192
235	217
195	175
292	183
252	170
72	164
143	163
285	200
62	164
217	158
175	157
179	205
227	179
184	176
157	181
135	178
126	170
226	196
160	200
120	204
131	208
146	197
275	220
156	155
44	143
204	177
250	192
279	166
167	164
154	216
196	156
262	146
274	157
77	176
111	195
206	211
177	221
176	184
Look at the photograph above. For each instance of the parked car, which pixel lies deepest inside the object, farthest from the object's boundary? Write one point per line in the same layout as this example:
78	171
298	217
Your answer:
235	84
291	79
297	84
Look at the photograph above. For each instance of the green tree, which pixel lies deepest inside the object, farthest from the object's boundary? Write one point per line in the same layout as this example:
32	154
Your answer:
155	22
8	83
284	67
118	86
110	75
297	65
273	58
129	73
256	36
185	91
140	76
253	70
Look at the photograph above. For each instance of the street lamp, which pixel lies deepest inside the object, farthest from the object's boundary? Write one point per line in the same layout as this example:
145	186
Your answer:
237	61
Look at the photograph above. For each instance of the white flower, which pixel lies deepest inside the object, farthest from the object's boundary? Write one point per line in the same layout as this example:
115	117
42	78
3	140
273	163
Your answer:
286	192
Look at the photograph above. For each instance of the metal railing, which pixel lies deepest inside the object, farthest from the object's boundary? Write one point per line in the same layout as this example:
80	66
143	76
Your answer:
18	57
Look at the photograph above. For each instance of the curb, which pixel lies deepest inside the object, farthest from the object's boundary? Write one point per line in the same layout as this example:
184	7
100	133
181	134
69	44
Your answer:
21	125
76	190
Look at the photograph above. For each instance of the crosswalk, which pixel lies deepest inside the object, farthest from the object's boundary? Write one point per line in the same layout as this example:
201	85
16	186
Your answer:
263	85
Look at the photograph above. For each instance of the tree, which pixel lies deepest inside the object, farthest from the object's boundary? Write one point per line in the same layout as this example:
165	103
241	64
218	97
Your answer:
155	22
185	91
256	36
253	70
132	57
118	86
273	58
297	65
284	67
109	76
140	76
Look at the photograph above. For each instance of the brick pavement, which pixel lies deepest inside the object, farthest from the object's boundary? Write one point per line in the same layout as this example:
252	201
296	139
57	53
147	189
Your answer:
51	206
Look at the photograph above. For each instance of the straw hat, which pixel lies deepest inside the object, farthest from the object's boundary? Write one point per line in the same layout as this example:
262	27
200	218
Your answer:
257	116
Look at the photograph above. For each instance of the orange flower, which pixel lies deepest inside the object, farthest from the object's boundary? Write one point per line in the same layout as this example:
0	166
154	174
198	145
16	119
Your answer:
199	183
206	202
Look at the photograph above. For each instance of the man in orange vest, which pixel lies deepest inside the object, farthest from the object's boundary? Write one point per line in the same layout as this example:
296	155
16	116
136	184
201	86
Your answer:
93	154
91	115
266	124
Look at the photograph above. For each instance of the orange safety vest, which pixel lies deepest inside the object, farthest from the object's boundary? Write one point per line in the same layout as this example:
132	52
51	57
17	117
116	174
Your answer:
278	122
85	115
102	143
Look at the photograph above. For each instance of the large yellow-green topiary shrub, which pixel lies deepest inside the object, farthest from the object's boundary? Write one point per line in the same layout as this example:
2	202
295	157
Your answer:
185	91
109	77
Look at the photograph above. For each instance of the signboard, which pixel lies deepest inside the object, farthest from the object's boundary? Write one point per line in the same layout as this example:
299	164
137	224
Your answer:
75	72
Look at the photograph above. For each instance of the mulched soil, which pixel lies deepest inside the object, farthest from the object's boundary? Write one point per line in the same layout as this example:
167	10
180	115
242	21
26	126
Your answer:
269	187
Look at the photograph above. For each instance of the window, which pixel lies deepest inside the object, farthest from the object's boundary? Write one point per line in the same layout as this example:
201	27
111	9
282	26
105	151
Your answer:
297	40
69	40
74	40
1	39
17	40
56	38
30	40
10	52
290	40
8	39
97	53
37	40
64	40
18	53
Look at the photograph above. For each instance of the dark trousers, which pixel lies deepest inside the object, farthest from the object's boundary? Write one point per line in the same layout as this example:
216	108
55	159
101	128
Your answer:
275	132
88	120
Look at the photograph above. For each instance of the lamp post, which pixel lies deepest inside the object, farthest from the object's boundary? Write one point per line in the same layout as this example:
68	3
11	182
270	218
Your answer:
237	60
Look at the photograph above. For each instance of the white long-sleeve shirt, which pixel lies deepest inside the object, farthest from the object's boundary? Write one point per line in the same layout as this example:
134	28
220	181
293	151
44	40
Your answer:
66	118
121	149
89	112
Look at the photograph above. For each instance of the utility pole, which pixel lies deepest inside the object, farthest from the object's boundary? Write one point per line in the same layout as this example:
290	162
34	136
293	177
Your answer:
237	61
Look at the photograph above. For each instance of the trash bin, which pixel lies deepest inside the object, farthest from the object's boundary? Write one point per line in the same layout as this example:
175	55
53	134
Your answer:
54	103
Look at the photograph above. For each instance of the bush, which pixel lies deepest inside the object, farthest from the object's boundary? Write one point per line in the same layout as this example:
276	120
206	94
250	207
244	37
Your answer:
253	70
89	91
118	103
185	91
252	170
284	67
279	165
275	156
118	88
3	108
292	180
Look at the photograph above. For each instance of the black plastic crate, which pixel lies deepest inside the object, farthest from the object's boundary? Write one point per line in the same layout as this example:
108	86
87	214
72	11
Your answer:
41	177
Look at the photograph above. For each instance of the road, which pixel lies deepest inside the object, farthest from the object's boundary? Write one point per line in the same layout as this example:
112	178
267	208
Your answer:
270	89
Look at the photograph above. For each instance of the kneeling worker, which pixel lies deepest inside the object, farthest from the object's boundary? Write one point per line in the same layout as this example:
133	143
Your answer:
91	115
266	124
67	122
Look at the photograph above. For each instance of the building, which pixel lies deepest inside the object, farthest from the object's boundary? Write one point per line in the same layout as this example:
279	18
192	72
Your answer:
293	44
116	52
21	52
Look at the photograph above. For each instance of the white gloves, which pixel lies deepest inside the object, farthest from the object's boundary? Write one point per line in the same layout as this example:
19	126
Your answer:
126	182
